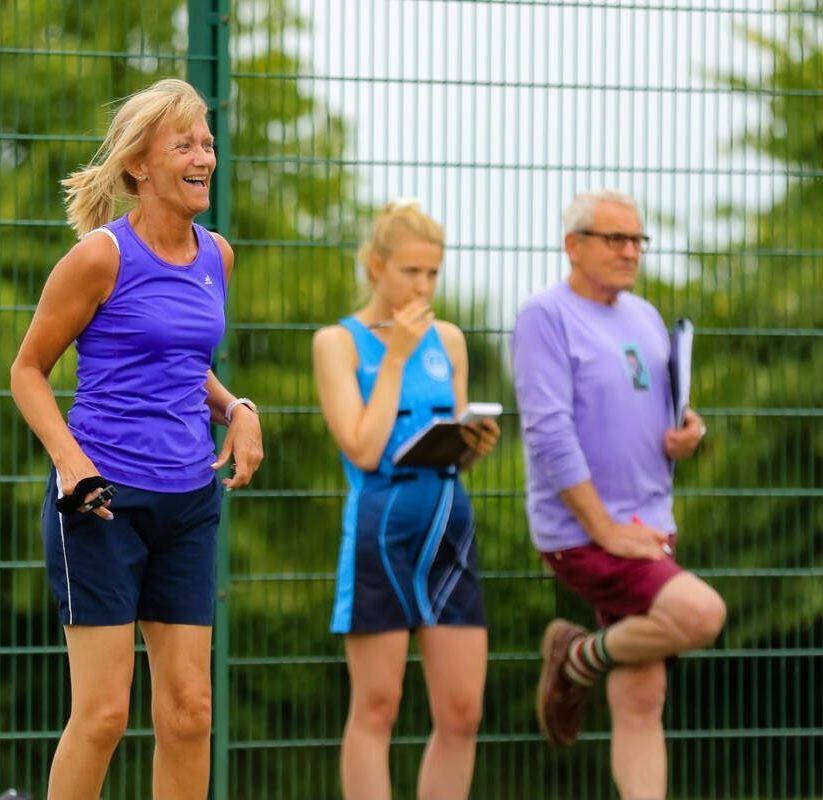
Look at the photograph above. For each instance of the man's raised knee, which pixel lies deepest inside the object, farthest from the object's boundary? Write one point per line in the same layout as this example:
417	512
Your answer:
705	619
694	615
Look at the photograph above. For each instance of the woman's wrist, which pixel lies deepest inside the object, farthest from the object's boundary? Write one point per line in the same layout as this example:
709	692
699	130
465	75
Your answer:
238	401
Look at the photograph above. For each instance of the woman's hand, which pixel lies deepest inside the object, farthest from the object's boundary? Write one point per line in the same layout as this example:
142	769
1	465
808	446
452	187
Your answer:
71	473
410	324
481	437
243	443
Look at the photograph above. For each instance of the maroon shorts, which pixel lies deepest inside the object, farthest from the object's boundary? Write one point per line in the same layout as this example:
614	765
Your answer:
615	587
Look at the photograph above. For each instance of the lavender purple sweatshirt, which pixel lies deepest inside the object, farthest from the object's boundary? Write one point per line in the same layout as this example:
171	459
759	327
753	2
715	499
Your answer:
594	395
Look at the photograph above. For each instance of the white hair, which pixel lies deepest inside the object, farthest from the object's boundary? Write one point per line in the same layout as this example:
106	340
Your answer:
579	215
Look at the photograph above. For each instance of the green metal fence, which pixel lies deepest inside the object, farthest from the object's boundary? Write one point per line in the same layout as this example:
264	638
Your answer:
494	113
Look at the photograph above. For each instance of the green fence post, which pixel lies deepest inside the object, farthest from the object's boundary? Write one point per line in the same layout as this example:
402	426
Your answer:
208	70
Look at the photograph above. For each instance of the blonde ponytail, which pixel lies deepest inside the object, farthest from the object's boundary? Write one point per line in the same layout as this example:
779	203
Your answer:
89	198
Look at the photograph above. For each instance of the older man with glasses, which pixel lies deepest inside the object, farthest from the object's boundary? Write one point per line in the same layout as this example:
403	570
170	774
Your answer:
591	373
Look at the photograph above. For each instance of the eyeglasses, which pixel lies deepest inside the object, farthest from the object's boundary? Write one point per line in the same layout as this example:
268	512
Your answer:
618	241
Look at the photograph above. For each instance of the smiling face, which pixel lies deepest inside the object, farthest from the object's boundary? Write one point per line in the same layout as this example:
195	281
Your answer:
409	272
599	271
177	168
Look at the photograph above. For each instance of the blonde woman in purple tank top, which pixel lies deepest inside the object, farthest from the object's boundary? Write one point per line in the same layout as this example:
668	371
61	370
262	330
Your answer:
143	297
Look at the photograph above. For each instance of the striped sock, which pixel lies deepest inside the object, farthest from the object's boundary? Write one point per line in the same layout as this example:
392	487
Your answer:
588	659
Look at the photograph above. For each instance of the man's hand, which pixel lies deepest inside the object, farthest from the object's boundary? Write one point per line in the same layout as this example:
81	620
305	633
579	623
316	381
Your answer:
635	540
682	442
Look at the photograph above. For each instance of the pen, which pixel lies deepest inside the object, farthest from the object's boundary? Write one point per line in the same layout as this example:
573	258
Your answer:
388	323
637	521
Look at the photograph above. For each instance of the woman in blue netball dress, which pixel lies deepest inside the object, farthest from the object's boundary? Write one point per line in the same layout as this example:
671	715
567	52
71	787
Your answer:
143	298
407	557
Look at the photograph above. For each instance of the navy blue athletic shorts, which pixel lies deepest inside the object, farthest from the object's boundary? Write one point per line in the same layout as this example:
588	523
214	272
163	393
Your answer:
408	556
155	561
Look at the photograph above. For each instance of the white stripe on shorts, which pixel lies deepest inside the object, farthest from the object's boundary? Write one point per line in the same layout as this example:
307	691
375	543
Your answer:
63	543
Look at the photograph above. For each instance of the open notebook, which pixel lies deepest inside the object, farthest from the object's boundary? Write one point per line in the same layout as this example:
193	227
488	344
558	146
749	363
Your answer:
441	443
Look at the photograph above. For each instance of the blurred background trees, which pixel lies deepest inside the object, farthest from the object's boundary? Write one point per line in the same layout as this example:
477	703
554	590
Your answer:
749	505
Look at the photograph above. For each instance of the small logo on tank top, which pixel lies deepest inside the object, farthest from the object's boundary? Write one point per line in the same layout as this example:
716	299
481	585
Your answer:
435	364
208	281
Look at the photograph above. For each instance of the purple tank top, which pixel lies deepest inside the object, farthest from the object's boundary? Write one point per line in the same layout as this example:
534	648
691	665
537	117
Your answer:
140	411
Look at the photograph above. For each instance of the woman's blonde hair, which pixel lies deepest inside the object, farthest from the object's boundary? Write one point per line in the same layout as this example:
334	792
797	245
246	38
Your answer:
398	219
92	192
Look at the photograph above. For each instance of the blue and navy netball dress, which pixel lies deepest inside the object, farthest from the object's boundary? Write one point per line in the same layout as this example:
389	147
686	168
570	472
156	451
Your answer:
408	554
